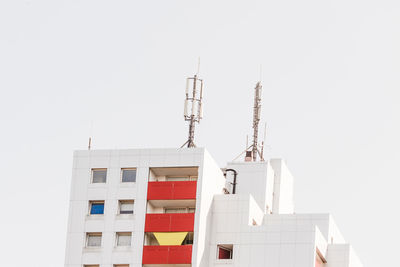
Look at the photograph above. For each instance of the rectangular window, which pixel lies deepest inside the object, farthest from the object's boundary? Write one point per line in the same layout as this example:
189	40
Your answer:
96	207
93	240
121	265
179	210
225	252
99	176
126	206
128	175
124	239
181	178
91	265
175	210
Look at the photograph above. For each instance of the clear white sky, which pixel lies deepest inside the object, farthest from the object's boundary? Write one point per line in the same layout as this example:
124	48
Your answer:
331	99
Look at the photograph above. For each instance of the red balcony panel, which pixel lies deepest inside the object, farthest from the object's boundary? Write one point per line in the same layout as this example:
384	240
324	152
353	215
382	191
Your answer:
180	254
170	222
171	190
167	254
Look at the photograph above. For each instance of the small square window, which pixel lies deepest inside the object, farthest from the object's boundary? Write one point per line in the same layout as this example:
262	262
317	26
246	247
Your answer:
225	252
96	207
124	239
93	240
99	176
128	175
126	206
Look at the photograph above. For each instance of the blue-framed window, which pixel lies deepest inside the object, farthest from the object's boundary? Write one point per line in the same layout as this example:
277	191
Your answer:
97	207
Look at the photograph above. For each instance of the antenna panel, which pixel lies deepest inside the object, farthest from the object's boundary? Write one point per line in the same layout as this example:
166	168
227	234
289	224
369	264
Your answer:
185	111
187	87
200	114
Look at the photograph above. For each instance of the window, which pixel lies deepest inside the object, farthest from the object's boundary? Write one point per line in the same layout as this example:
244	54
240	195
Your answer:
179	210
121	265
96	207
93	240
225	252
128	175
175	210
126	207
181	178
124	239
99	176
91	265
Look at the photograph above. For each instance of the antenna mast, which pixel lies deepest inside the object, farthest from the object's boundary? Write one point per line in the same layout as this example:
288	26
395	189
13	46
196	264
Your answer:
256	118
193	111
252	150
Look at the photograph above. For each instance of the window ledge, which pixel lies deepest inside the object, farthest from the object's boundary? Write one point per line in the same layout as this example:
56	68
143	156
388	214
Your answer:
127	184
95	217
225	261
123	249
125	216
92	249
97	185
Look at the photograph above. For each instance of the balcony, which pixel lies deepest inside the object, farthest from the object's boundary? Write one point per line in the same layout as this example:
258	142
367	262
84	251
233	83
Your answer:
172	222
167	254
171	190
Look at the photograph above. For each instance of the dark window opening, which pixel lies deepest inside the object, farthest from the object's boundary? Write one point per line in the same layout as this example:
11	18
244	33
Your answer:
225	252
188	239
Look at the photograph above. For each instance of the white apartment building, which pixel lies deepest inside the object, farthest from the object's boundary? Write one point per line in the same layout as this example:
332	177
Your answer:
176	207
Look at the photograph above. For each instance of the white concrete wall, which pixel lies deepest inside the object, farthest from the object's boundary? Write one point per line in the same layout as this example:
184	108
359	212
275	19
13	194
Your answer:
278	242
210	182
257	179
342	255
283	188
282	240
82	191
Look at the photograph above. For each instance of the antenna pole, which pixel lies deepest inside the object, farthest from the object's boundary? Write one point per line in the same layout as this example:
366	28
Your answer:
190	142
256	119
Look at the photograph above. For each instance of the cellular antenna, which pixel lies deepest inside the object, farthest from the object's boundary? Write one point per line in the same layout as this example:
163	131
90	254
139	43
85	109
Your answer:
193	111
256	119
252	150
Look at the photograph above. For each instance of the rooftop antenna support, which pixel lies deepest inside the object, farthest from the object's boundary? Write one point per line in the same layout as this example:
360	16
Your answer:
256	119
252	150
193	110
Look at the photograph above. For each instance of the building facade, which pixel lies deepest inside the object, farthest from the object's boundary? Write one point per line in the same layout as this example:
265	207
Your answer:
176	207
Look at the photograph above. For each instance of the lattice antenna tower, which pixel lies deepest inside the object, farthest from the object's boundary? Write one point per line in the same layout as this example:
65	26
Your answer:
193	110
252	150
256	120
